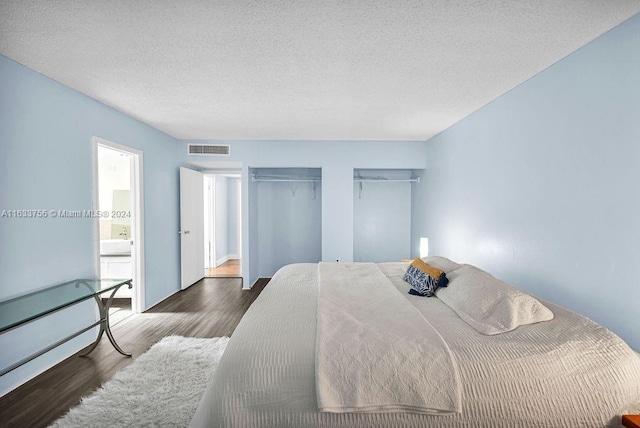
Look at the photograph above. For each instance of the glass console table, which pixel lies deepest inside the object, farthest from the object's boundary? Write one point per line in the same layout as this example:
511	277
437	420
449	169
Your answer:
24	309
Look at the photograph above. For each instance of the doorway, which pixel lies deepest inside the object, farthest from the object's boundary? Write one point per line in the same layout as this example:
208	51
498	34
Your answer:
223	224
118	219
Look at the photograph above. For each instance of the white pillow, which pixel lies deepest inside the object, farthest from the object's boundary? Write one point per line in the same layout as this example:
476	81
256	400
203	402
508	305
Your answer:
489	305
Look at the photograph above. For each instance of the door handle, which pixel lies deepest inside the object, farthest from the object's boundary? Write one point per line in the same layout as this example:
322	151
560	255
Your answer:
186	232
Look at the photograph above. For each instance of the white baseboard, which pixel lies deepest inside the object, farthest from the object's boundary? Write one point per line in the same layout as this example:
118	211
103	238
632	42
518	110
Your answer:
226	259
222	261
254	283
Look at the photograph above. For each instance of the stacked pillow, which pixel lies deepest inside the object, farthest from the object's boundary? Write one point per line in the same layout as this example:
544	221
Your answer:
484	302
424	278
489	305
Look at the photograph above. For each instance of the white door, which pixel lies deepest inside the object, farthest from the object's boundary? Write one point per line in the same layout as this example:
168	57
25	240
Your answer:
209	232
191	227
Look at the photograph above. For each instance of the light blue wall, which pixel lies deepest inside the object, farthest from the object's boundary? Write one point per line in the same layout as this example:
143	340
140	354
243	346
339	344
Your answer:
541	187
46	163
337	159
232	205
382	217
249	252
221	217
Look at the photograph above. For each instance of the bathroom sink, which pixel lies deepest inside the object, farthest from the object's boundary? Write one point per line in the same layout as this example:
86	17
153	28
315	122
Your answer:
110	247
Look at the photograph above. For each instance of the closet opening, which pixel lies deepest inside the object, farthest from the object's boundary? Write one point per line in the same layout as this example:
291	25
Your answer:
285	218
382	214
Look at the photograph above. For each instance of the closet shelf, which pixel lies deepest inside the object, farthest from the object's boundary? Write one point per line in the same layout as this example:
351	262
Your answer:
319	179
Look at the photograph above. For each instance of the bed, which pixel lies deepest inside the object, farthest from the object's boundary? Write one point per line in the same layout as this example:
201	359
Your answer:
566	371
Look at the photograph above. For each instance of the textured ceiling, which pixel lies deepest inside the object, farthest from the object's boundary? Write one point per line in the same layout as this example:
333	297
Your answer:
299	70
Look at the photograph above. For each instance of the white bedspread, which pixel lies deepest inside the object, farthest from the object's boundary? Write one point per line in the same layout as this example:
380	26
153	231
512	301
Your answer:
375	352
567	372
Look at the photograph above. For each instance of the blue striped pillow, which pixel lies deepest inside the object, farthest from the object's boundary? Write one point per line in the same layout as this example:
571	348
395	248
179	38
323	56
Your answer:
421	282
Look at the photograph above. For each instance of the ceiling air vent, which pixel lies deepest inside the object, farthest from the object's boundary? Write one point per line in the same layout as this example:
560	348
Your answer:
208	149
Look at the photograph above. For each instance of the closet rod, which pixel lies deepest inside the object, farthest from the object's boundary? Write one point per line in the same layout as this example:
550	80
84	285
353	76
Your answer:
412	180
286	179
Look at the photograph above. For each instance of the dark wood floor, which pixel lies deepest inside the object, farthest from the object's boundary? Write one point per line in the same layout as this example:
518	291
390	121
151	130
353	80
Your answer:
212	307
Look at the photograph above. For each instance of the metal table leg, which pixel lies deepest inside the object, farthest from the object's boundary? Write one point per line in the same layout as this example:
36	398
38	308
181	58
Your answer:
104	324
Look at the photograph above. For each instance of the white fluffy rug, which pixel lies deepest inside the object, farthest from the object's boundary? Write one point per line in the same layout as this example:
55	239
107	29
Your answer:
161	388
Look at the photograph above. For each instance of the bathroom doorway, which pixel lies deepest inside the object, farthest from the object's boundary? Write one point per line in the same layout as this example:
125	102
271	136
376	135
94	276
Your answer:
118	222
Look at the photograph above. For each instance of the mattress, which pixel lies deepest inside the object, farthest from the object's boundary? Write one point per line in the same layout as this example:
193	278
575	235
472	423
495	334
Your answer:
565	372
